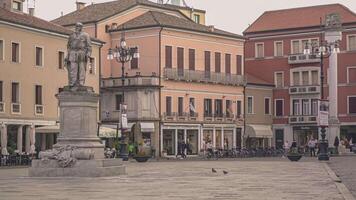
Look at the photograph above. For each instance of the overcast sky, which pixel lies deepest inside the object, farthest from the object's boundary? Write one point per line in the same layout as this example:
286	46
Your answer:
230	15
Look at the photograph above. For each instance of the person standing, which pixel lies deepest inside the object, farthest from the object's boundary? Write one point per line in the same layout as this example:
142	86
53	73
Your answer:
312	145
336	144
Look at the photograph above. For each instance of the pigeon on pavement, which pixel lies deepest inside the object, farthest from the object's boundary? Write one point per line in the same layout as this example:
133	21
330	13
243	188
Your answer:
225	172
213	170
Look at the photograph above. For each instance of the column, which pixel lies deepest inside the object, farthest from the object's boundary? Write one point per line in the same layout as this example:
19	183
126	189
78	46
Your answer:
43	142
28	139
51	140
214	137
200	141
185	140
19	139
161	136
222	137
234	138
32	139
176	141
3	129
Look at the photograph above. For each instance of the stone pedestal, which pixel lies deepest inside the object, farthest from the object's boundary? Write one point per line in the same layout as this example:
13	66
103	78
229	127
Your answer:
78	133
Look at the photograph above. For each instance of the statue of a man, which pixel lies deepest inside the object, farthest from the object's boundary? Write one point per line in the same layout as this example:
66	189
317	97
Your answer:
79	52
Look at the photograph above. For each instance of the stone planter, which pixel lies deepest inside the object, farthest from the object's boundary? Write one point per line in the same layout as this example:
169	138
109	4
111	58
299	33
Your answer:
142	158
294	157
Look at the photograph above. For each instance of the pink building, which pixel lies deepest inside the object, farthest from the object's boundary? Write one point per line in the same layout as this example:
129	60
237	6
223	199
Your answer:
275	45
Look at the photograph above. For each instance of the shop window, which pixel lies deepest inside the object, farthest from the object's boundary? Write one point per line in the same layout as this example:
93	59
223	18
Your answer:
169	142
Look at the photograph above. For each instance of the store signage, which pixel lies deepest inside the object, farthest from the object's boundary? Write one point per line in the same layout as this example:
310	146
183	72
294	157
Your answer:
323	114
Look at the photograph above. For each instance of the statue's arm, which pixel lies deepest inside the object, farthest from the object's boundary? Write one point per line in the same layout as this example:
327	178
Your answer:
89	49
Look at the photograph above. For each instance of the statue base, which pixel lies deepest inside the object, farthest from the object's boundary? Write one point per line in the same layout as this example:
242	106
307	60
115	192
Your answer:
78	152
81	168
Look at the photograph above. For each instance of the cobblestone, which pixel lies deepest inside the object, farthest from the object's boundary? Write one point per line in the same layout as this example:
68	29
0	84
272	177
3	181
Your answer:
182	180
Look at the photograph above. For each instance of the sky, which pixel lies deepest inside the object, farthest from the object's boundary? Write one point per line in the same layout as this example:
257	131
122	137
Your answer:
230	15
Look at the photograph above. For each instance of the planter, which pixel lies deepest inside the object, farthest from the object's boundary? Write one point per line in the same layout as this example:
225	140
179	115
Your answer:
294	158
142	158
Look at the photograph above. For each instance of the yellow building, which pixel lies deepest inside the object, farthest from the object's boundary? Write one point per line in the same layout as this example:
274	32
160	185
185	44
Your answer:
32	72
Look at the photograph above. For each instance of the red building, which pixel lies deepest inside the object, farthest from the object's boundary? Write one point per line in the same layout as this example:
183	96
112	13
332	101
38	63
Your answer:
274	53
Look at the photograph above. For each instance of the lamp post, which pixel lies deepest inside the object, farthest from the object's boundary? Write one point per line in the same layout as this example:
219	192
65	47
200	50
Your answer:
123	54
323	50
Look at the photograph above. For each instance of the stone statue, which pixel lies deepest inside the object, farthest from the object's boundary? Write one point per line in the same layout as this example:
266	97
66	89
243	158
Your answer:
333	21
79	52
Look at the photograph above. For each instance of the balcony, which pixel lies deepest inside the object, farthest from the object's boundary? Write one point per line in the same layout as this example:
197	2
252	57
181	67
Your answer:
311	89
302	59
39	110
131	81
15	108
202	76
2	107
180	116
303	119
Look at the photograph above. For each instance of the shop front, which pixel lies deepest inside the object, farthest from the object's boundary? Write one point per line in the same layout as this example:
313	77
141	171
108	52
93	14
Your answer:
258	136
302	134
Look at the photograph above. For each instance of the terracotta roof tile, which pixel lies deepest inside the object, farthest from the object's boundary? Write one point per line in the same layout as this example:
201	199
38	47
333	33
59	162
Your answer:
159	19
299	18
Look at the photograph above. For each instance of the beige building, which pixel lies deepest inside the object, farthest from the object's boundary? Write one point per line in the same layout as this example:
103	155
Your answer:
187	85
32	53
259	113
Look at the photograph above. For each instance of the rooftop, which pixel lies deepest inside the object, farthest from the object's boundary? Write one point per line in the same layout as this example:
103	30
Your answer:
303	17
253	80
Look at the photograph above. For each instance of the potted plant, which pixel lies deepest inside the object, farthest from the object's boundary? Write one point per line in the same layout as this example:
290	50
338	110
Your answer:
141	155
293	154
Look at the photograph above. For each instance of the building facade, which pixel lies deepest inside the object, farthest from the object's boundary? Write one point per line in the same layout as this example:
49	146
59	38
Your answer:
275	45
187	85
32	53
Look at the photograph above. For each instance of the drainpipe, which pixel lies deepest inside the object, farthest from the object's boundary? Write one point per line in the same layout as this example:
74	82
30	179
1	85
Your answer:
244	132
159	90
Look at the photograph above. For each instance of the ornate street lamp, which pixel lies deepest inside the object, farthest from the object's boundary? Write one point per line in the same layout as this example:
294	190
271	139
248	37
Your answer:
322	50
123	54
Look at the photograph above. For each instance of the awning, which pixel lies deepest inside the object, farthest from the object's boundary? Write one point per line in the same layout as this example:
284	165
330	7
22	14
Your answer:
259	131
48	129
108	131
147	127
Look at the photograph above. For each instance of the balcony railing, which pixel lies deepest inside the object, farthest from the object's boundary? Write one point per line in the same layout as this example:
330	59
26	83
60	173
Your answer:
203	76
2	107
131	81
313	89
39	110
296	119
15	108
302	58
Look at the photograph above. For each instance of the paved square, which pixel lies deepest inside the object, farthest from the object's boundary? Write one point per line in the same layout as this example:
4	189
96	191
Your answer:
182	180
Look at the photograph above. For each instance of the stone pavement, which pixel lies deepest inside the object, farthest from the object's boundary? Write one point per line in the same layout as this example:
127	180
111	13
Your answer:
277	179
345	168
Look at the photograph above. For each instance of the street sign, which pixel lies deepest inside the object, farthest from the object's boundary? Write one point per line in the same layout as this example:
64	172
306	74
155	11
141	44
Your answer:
323	114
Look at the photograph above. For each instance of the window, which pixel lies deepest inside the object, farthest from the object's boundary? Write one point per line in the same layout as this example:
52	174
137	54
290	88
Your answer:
60	60
180	61
296	79
259	52
250	105
351	71
192	59
314	107
16	5
192	110
92	66
168	57
239	65
119	101
305	107
295	47
279	79
278	48
39	56
228	63
207	64
296	107
169	106
134	61
15	93
315	77
267	106
305	78
38	95
238	108
180	106
279	107
229	111
218	107
352	104
208	107
15	52
2	51
217	62
351	41
197	18
1	86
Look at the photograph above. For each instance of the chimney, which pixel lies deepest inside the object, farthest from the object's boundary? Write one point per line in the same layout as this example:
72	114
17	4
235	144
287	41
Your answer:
31	11
80	5
211	28
31	7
